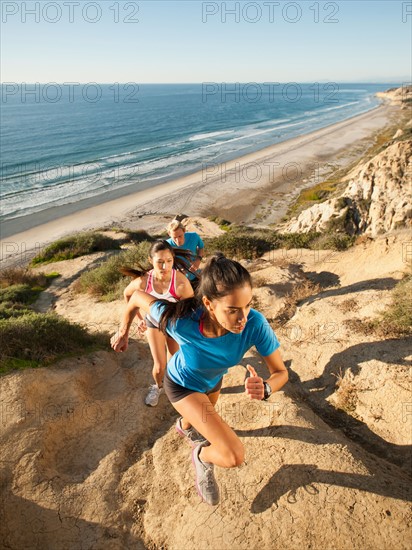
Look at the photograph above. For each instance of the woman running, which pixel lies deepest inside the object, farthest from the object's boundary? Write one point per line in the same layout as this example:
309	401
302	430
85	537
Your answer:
162	282
213	329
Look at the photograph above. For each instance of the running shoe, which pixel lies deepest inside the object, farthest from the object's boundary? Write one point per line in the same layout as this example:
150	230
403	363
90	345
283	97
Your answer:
206	485
152	397
192	436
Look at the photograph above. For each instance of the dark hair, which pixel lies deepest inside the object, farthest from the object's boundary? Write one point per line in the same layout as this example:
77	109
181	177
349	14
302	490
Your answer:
179	257
219	278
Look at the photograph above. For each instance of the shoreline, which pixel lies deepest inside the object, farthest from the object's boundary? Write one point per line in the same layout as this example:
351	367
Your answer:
233	189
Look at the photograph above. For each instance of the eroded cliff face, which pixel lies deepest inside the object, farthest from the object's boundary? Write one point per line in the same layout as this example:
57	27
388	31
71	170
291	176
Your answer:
376	199
397	96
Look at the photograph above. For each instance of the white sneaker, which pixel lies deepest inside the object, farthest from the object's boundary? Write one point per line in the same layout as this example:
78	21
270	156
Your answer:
152	397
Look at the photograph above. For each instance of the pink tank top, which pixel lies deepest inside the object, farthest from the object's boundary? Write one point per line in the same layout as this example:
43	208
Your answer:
170	295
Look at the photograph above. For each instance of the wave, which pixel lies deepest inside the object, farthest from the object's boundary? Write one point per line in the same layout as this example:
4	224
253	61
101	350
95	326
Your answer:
209	135
274	121
339	107
344	90
268	130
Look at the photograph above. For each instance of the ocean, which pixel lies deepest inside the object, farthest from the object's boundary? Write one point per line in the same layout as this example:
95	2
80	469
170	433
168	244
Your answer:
61	143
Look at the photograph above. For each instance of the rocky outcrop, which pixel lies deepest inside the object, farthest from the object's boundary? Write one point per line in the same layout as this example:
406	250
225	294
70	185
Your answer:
397	96
377	198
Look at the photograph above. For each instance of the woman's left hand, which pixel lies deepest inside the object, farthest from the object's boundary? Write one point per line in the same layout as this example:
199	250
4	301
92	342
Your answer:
254	384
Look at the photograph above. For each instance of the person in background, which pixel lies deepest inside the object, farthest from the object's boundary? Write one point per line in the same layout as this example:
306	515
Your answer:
189	241
163	282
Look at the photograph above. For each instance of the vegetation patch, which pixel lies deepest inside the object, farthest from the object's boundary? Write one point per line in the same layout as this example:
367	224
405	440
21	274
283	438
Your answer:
221	222
73	246
348	305
19	288
239	245
10	309
22	294
242	242
333	241
300	292
395	321
24	276
397	318
312	195
106	281
346	396
35	339
137	236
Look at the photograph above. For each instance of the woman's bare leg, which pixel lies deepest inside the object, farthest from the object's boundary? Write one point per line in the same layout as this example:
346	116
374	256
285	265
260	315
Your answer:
225	449
213	397
157	344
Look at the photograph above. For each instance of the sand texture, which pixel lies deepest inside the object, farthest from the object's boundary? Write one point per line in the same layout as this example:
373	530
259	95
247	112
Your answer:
85	464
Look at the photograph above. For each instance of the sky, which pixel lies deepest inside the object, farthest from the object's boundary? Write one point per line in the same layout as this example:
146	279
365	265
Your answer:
190	41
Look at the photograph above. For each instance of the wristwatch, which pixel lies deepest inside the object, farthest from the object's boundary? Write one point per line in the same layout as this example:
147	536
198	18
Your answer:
267	391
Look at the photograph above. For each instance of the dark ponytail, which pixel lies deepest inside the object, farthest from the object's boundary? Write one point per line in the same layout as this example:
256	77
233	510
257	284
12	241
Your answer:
219	278
179	263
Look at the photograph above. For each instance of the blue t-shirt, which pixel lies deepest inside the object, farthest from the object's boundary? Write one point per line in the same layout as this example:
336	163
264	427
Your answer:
193	242
201	362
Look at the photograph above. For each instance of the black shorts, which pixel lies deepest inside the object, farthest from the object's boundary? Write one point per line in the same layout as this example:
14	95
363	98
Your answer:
175	392
149	323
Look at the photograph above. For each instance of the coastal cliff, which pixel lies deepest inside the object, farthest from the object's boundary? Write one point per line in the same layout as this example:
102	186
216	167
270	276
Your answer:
397	96
376	199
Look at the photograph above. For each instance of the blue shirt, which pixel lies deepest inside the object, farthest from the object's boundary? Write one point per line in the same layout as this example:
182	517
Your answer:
201	362
194	243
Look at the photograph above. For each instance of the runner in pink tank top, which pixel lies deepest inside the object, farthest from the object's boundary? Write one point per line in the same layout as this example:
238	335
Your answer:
162	282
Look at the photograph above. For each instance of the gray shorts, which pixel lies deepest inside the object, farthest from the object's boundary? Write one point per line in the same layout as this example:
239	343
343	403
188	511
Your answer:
175	392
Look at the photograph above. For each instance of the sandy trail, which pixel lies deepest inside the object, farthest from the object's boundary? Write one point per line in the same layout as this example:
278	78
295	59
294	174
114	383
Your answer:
86	465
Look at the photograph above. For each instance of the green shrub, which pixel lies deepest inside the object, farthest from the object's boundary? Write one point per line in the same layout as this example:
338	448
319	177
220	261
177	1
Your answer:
333	241
342	202
76	245
138	236
238	246
15	298
13	363
297	240
23	276
395	321
22	294
221	222
34	339
10	309
106	280
248	243
398	316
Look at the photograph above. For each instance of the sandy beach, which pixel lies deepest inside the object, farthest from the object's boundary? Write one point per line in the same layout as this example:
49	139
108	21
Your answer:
234	190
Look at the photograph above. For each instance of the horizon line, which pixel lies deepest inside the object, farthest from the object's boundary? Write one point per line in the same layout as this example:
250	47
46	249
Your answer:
393	81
